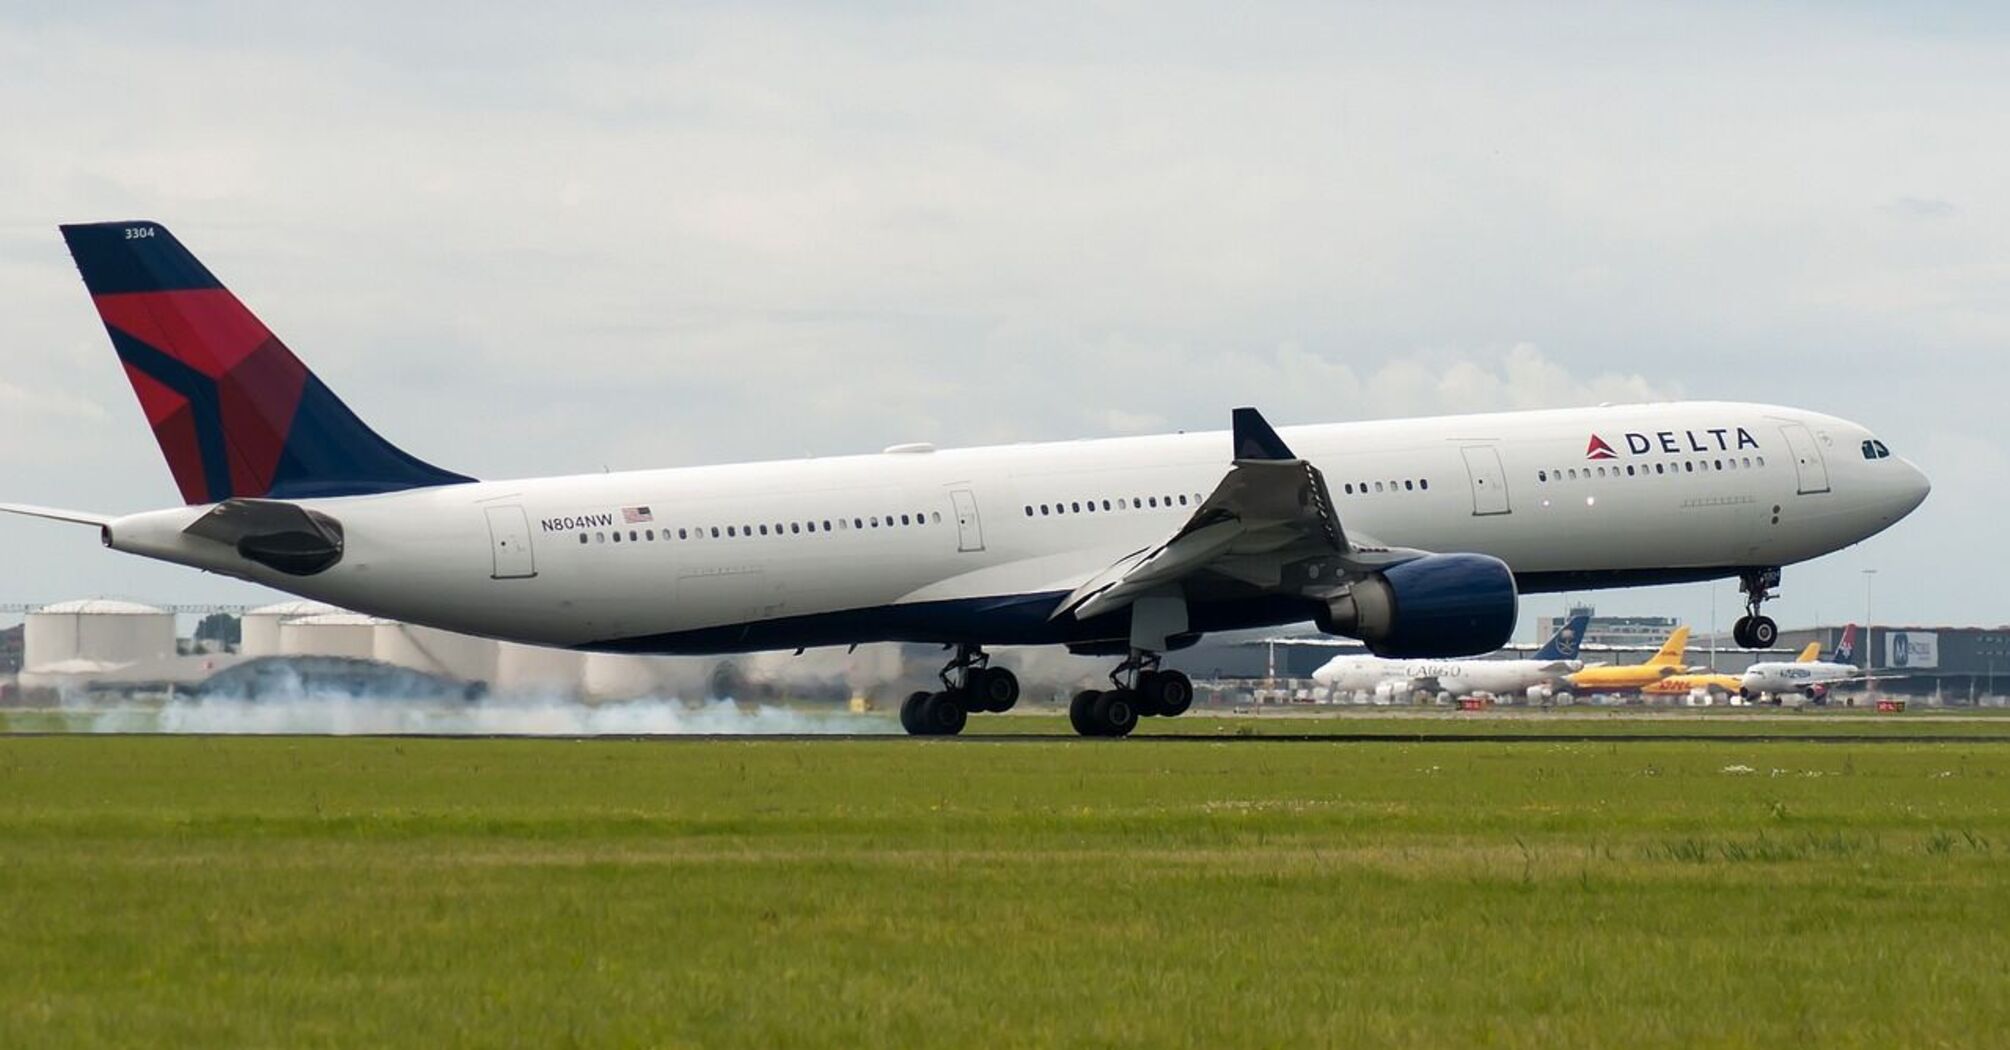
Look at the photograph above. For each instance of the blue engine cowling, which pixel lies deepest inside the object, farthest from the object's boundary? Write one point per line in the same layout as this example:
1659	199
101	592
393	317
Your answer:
1440	605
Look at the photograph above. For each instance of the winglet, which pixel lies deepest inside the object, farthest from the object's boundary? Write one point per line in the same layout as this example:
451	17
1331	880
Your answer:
1255	440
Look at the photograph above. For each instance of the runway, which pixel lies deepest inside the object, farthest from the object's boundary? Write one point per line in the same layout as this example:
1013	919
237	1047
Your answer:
983	739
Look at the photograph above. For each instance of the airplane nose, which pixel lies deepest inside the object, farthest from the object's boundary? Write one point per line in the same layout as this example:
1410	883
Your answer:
1915	487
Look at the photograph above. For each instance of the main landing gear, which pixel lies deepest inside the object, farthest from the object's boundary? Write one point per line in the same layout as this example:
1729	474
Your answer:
1140	690
1753	631
970	685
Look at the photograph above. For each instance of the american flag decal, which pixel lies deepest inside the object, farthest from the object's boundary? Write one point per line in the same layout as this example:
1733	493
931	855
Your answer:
635	515
1598	449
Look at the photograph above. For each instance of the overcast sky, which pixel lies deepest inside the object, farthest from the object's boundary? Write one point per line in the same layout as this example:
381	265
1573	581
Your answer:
521	239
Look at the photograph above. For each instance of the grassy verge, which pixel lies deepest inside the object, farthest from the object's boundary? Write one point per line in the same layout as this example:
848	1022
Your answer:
309	892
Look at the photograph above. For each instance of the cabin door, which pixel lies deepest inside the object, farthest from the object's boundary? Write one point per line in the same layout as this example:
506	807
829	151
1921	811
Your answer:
509	543
1483	468
1809	468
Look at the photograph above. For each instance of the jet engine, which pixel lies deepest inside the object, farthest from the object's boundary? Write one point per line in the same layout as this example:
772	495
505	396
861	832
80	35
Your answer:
1439	605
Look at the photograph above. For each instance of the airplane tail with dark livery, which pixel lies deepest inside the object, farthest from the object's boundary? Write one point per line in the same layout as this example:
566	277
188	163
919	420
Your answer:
1564	644
1846	648
236	414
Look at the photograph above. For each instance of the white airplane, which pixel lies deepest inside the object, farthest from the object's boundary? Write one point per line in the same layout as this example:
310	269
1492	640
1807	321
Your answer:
1388	679
1130	547
1808	676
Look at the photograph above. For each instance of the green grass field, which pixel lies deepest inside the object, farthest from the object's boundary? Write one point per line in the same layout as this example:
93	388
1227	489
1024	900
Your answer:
304	892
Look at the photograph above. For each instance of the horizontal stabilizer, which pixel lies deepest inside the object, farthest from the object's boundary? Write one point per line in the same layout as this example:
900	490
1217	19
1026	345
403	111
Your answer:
80	517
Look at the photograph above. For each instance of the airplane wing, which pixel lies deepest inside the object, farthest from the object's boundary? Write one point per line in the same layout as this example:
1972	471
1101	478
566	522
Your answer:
1269	527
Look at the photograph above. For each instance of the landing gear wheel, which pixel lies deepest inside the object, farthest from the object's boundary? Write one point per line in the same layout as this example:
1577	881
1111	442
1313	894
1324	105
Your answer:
1147	694
1763	632
993	689
1079	712
1741	633
1169	693
910	713
942	714
1115	713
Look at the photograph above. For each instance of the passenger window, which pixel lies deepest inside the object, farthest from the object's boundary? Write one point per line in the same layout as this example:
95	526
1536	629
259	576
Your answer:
1349	487
796	527
1378	486
1542	475
1043	510
617	536
1154	502
680	534
1660	469
935	517
1106	504
903	520
1424	483
1076	507
1409	486
1182	499
582	537
600	537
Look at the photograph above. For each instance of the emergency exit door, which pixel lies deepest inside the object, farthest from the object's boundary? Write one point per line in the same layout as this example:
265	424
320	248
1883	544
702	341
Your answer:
509	543
969	531
1489	482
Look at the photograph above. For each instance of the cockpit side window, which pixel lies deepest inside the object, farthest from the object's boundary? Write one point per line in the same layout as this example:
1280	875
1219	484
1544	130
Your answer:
1875	449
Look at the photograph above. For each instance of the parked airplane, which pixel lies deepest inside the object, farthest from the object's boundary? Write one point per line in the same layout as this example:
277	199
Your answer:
1693	684
1386	678
1628	678
1808	676
1129	547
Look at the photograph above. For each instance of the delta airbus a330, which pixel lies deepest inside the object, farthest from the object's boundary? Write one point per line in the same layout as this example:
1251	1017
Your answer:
1414	535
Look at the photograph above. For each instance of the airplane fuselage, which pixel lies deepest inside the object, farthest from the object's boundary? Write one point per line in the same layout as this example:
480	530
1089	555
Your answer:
979	545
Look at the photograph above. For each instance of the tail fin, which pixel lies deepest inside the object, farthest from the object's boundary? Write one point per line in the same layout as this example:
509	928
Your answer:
1563	645
1846	648
1672	650
236	414
1809	653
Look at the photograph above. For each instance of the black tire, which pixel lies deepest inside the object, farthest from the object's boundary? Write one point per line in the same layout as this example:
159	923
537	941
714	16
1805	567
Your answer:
943	714
1115	713
1079	712
1741	633
1173	694
1145	698
910	713
993	689
1764	632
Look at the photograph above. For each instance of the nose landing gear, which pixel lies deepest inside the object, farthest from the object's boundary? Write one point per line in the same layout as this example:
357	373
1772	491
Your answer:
1753	630
1141	689
970	685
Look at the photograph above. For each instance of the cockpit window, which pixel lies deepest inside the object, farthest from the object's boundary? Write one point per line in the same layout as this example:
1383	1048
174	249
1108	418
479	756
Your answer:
1875	449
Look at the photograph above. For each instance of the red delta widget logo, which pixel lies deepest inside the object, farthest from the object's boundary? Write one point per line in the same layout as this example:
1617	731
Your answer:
1675	442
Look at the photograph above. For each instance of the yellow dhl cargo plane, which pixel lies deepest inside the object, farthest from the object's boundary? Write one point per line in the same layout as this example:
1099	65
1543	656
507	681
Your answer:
1635	676
1712	682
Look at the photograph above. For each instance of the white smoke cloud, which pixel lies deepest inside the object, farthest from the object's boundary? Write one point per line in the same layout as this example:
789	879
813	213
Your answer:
345	715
